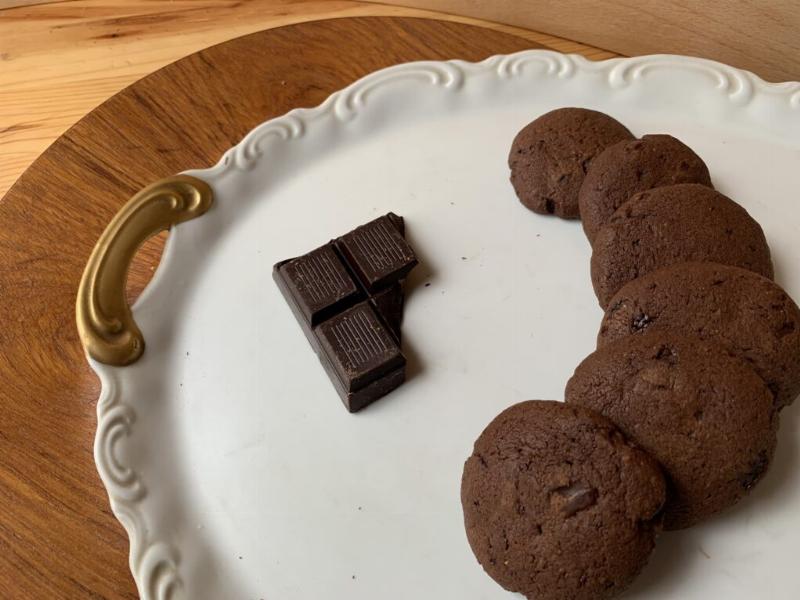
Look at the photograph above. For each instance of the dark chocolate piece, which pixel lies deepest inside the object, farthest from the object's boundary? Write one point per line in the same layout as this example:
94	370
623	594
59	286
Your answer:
359	350
348	297
320	284
378	253
389	304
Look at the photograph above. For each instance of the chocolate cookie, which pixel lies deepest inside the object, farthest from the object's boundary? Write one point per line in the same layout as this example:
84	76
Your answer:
672	224
747	314
706	416
629	167
557	504
550	156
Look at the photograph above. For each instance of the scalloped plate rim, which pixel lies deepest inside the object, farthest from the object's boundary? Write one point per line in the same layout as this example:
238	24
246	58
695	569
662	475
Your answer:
150	556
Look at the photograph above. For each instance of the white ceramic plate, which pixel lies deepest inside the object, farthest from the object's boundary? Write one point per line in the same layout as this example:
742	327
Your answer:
226	452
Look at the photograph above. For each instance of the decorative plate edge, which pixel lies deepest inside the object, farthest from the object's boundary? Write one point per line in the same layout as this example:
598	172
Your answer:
740	87
154	562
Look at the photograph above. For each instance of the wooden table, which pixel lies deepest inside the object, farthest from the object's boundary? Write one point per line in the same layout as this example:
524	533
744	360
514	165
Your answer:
59	61
58	538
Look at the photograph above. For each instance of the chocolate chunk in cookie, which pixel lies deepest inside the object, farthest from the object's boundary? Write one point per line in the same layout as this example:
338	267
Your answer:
746	313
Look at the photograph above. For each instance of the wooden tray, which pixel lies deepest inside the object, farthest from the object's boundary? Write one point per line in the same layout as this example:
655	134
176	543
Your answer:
58	537
226	456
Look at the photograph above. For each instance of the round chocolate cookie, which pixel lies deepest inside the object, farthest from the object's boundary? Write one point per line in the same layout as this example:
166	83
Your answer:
550	156
672	224
705	415
629	167
557	504
746	313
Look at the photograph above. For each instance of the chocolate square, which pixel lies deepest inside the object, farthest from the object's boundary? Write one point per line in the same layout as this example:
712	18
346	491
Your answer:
378	253
359	346
319	283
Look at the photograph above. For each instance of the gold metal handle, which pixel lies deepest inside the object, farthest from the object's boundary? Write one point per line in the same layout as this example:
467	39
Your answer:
105	322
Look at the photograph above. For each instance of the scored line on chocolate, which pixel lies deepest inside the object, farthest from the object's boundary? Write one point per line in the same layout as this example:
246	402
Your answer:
354	328
317	277
378	345
348	344
378	246
323	264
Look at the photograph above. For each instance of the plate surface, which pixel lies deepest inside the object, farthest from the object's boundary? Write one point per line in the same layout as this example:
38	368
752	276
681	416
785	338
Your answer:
227	454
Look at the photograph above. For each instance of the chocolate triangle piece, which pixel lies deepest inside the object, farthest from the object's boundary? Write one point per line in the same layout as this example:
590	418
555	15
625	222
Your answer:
389	305
398	222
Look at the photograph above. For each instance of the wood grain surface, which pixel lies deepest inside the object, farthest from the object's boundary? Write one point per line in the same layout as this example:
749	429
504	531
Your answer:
762	36
58	538
59	61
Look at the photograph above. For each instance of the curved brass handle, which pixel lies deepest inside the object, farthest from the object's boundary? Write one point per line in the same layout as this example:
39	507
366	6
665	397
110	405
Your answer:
105	322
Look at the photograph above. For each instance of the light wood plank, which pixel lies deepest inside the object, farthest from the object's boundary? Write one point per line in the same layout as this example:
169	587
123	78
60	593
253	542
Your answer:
5	4
59	61
762	36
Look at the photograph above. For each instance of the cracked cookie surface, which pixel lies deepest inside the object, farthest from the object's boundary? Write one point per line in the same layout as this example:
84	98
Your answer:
747	314
706	416
629	167
551	155
673	224
558	504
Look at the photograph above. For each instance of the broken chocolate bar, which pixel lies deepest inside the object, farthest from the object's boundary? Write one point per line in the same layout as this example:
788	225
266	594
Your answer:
348	297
